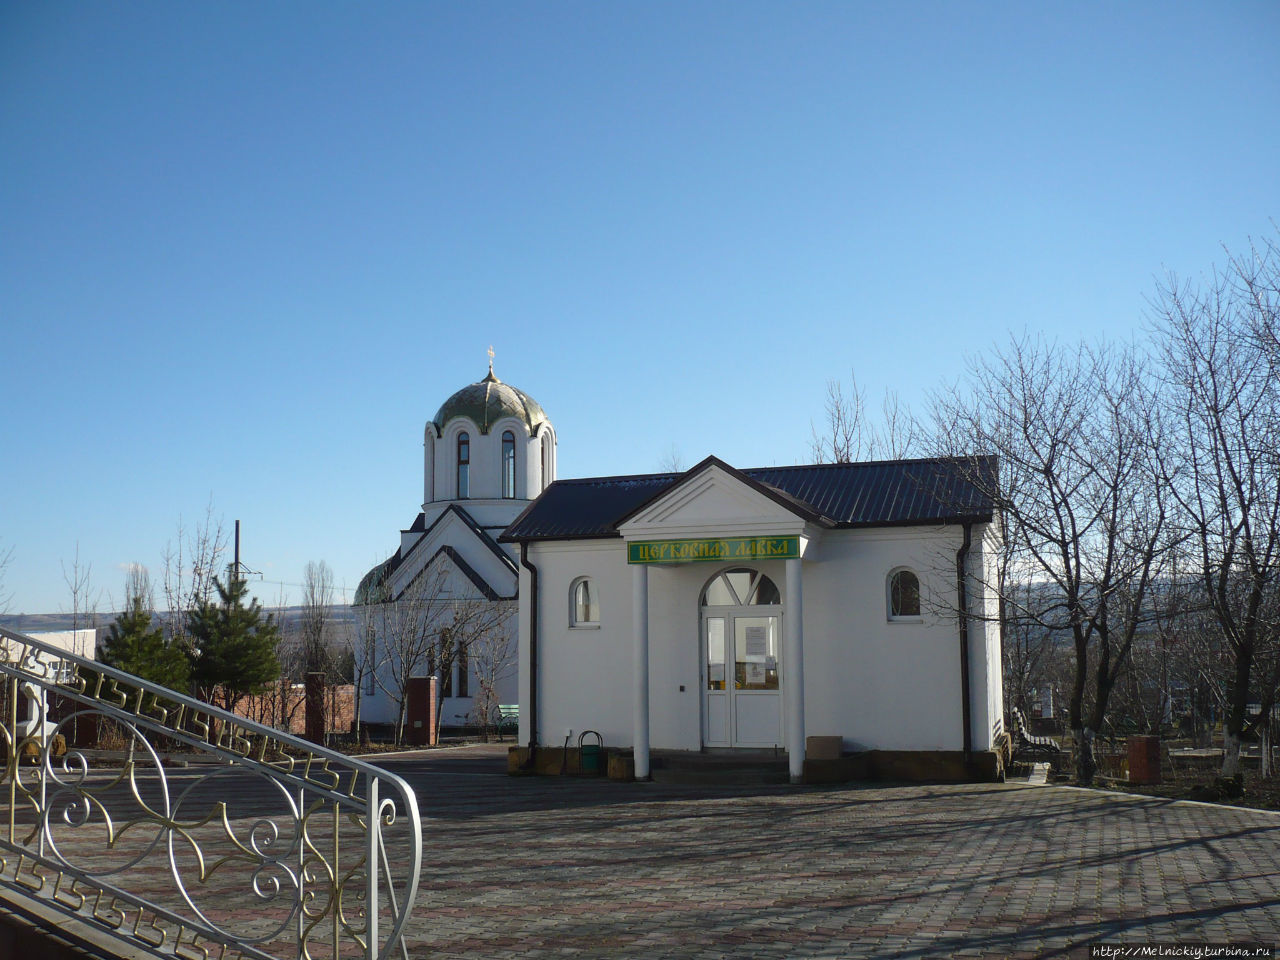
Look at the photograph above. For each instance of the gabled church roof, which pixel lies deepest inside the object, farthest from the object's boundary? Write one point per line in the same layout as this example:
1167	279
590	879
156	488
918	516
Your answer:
842	495
375	586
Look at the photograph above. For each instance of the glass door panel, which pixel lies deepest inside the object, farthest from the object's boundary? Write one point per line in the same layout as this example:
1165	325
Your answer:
757	701
715	653
755	653
716	700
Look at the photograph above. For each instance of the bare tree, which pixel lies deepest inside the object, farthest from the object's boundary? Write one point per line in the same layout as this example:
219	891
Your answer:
406	632
279	706
1220	348
317	612
1084	526
844	435
901	435
1027	654
847	435
6	558
436	625
192	560
367	657
84	601
671	461
137	586
481	642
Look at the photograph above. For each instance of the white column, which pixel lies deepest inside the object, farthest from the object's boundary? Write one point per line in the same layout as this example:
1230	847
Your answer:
640	630
793	657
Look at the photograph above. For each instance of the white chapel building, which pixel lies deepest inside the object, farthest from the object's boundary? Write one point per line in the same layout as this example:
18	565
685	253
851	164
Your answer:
722	610
488	451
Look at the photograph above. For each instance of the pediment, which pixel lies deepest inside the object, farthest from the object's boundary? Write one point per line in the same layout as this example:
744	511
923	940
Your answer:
712	501
454	556
441	577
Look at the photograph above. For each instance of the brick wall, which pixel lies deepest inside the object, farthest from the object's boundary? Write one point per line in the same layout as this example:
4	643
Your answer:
286	708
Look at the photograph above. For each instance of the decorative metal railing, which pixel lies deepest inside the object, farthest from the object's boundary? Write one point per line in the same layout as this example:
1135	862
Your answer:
254	844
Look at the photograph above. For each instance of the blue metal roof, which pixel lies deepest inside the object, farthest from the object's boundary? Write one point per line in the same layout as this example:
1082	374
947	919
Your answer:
881	493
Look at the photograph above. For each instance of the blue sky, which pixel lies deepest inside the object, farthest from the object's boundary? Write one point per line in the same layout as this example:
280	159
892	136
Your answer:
247	249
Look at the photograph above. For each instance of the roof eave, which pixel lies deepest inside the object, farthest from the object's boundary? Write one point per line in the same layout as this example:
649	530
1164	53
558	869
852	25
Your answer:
540	538
947	521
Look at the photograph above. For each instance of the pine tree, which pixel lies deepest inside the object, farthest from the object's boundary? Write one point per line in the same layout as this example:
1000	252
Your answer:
132	645
235	645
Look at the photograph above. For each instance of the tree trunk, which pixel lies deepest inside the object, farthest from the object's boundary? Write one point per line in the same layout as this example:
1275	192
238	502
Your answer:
400	709
1231	754
1080	732
1236	707
1086	765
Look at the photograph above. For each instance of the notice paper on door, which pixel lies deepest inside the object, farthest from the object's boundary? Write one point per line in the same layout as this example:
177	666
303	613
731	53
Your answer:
757	642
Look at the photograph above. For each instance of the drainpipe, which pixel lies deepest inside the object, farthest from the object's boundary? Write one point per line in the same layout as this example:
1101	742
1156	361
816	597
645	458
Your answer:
533	651
962	589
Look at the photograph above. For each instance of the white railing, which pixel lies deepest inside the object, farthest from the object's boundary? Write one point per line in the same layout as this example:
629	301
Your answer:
202	834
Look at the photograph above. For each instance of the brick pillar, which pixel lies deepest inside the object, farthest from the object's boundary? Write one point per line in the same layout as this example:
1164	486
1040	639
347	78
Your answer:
1144	760
420	711
315	708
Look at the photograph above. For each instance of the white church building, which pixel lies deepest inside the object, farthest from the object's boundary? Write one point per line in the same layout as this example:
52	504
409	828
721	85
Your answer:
489	450
721	610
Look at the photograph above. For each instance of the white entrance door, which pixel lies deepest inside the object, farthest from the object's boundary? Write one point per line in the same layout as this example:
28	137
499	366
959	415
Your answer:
741	643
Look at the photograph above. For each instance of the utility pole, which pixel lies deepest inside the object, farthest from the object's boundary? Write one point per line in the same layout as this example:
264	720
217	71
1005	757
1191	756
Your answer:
236	570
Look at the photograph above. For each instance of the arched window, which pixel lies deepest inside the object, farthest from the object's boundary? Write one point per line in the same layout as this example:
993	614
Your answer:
904	595
464	465
428	467
740	587
508	465
584	604
548	460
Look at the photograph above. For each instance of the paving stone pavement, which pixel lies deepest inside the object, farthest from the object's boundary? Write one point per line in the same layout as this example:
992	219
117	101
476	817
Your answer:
547	867
564	867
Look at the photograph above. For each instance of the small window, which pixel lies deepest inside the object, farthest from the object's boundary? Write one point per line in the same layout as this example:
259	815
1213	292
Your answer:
585	604
464	672
904	595
464	465
508	465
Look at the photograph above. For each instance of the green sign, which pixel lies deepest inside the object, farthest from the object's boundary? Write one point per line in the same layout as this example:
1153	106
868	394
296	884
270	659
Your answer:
729	548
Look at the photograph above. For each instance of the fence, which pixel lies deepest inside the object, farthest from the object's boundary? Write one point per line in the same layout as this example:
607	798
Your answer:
257	845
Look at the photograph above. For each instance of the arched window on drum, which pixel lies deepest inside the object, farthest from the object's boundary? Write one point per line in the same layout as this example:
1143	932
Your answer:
464	466
508	465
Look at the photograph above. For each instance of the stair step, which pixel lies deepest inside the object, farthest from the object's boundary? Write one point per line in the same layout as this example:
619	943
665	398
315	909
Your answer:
709	769
718	776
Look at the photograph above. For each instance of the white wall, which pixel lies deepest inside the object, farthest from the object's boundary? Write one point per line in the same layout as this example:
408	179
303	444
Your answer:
878	684
485	473
882	684
585	673
987	629
82	643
